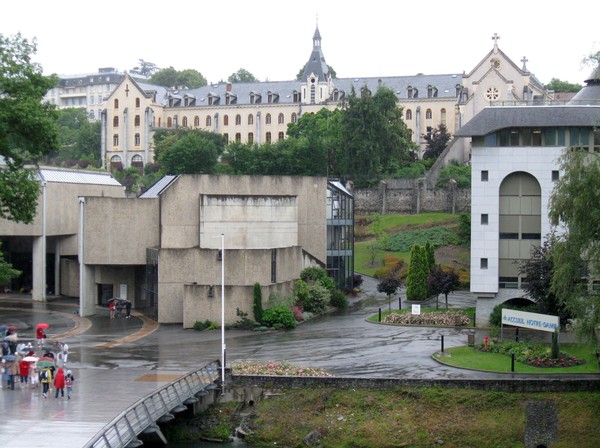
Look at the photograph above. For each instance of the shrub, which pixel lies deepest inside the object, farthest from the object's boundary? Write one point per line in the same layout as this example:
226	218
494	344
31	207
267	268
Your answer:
533	354
279	317
244	322
357	280
338	299
276	298
449	318
206	325
313	273
316	299
257	304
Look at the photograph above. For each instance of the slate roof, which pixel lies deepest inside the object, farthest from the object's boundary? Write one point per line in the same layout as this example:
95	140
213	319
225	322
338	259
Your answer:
155	190
284	90
492	119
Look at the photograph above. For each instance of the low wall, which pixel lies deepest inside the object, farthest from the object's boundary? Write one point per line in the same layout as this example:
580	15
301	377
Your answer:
569	384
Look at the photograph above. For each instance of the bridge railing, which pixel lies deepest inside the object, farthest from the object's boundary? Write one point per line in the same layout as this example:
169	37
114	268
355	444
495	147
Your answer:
160	404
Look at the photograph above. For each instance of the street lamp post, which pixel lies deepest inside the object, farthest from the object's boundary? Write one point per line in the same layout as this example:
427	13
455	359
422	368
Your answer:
223	312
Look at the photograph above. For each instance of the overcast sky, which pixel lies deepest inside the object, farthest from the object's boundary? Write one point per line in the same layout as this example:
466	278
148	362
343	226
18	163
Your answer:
272	39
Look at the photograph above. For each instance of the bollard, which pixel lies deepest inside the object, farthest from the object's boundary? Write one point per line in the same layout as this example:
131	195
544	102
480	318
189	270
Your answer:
379	314
442	343
517	335
399	302
512	362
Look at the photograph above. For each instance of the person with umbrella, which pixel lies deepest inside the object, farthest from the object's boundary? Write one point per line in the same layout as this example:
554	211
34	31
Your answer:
24	372
13	370
46	380
40	333
112	307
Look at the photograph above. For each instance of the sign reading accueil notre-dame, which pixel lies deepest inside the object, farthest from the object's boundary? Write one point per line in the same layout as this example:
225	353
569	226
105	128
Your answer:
535	321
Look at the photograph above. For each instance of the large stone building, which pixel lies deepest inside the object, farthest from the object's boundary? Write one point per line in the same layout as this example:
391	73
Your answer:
86	91
260	112
515	152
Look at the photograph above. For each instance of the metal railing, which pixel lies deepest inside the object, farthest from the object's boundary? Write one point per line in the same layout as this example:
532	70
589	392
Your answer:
154	407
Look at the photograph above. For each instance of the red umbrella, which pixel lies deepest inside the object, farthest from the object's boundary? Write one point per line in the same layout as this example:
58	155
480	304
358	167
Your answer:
42	325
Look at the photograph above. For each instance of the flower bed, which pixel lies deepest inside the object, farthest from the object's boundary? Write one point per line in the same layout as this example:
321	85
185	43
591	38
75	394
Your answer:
445	318
275	368
533	354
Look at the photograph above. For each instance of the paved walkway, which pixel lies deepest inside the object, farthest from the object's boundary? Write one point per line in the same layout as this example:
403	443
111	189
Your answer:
116	362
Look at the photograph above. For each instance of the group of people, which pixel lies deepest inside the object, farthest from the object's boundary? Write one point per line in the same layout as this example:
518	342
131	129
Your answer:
116	306
20	369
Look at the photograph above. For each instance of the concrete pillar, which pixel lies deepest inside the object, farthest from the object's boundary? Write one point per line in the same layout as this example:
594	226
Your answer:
57	268
87	295
38	270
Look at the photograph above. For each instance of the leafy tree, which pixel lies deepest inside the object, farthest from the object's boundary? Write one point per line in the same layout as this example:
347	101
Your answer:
430	252
7	272
389	286
563	86
418	272
461	174
374	139
464	229
242	75
538	272
169	77
188	151
441	281
257	305
27	126
144	68
575	205
436	141
79	138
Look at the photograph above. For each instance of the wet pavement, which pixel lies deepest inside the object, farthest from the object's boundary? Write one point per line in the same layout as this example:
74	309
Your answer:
116	362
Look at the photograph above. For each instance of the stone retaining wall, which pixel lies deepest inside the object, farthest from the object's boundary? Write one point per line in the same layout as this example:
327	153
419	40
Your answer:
567	384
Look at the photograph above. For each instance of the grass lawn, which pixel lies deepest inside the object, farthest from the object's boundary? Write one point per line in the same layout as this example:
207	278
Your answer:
469	358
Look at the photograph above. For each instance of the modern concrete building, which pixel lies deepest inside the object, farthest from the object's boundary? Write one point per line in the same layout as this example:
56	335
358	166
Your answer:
515	152
165	250
260	112
47	250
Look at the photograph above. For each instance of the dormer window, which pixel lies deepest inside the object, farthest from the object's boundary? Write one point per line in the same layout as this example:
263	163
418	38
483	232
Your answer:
410	92
255	98
189	100
432	92
213	99
297	96
230	98
272	97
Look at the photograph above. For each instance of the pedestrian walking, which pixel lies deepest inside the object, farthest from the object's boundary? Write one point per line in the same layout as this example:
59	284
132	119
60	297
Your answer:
34	376
40	335
69	379
65	353
46	380
59	383
24	373
127	309
111	307
13	372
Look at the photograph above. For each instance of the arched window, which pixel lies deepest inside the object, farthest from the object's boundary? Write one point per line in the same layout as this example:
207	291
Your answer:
443	116
116	163
137	139
408	114
238	137
115	122
250	119
225	120
196	121
250	137
238	120
115	139
116	103
137	161
268	137
184	122
281	136
137	103
294	118
268	119
159	121
136	120
281	119
169	122
208	120
428	114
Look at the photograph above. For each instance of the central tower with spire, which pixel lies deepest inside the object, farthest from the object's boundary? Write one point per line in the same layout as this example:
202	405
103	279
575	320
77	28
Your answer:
316	79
